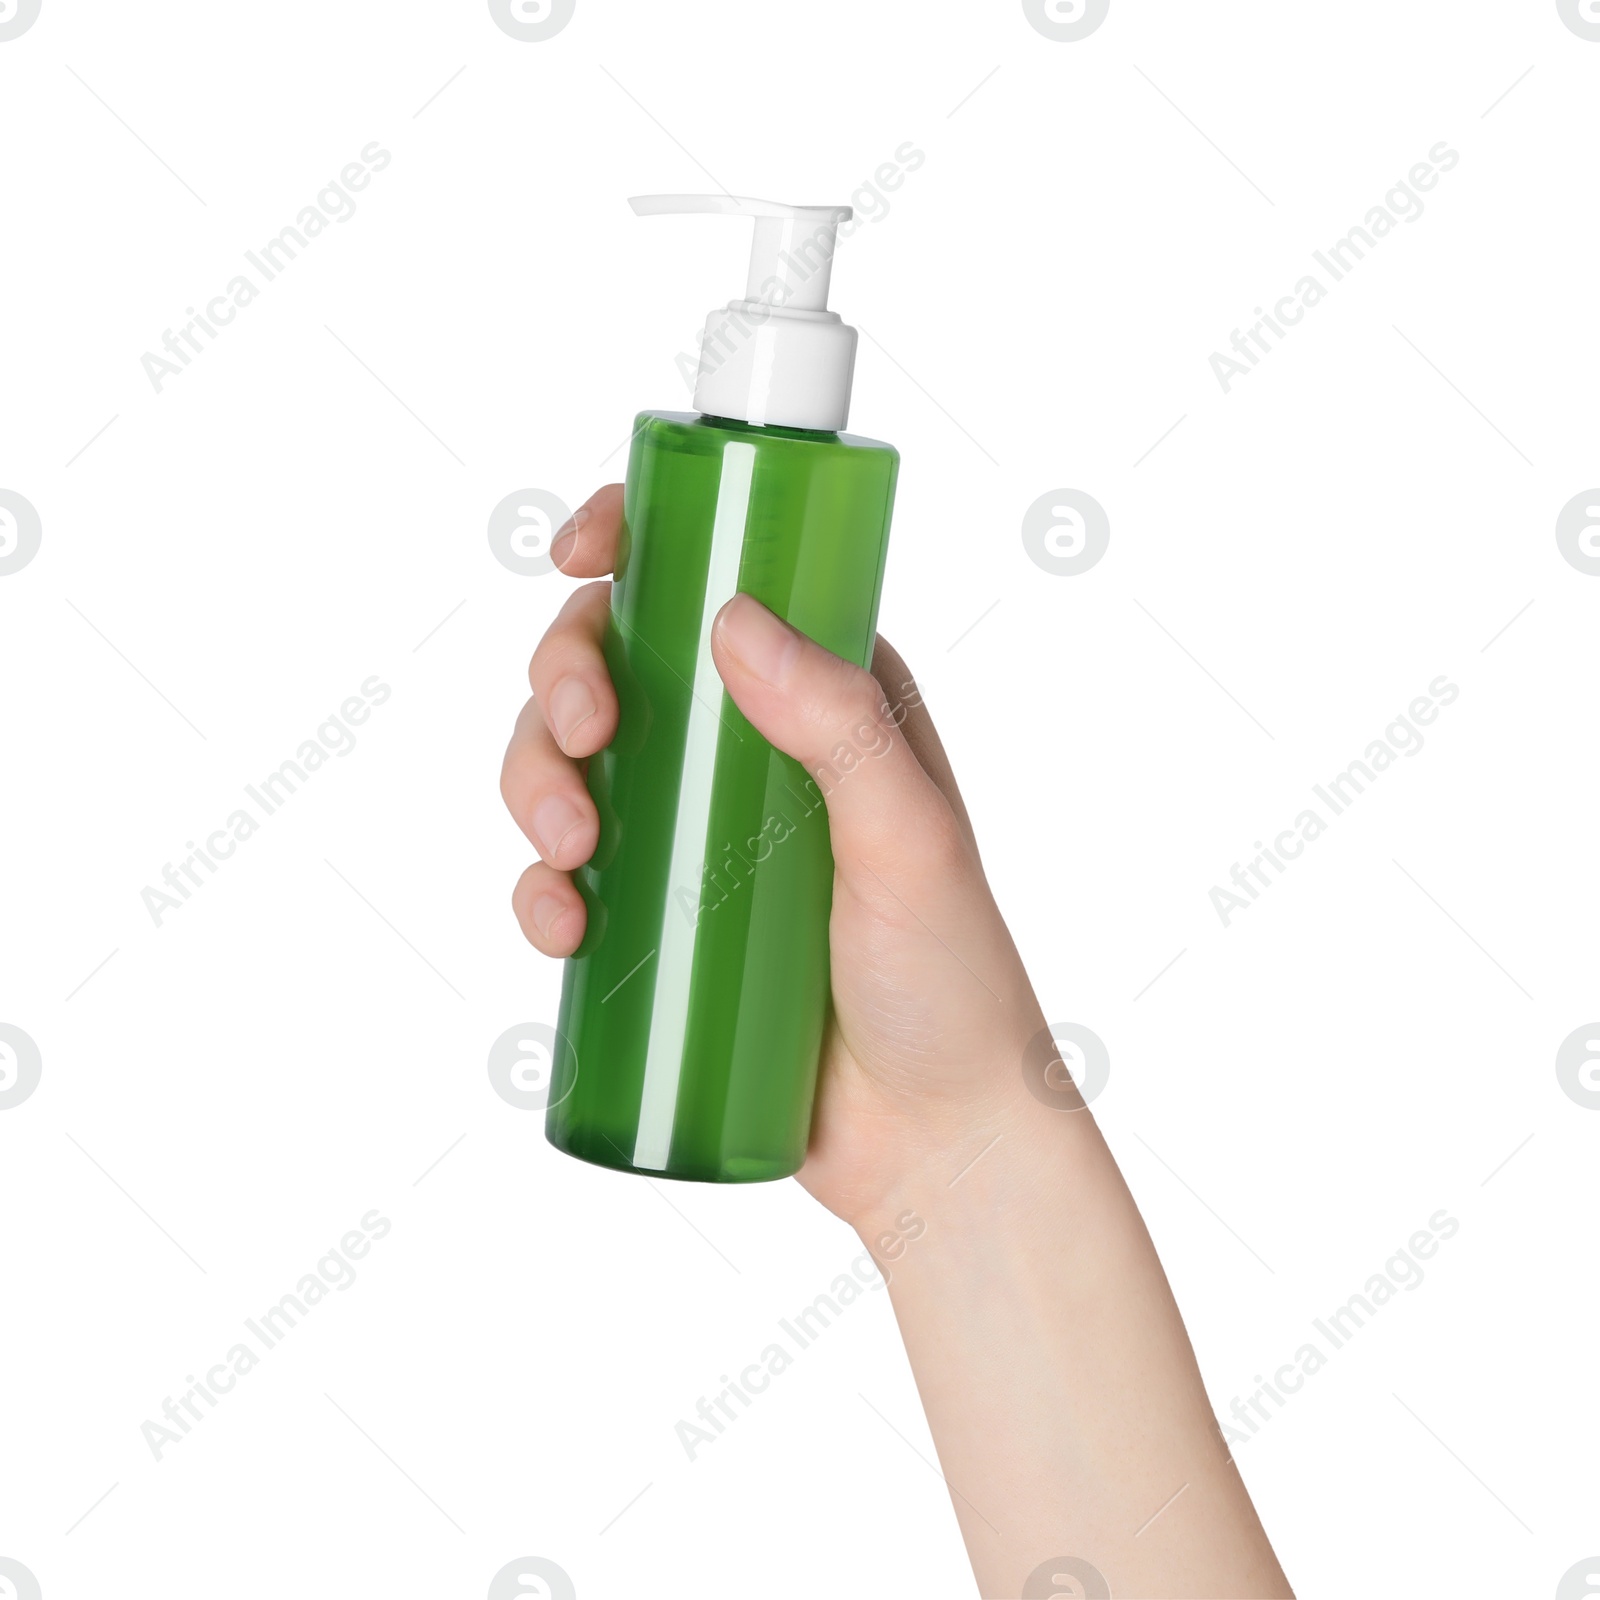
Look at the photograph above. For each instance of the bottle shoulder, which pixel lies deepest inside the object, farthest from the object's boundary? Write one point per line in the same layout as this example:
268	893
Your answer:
693	431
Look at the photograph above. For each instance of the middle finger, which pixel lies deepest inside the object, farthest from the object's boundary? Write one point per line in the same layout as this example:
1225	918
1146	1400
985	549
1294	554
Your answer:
545	793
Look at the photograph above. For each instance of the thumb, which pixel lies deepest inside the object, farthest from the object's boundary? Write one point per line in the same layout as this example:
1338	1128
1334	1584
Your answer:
885	814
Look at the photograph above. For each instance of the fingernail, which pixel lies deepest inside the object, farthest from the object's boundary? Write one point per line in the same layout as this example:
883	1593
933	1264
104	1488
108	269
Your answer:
768	647
547	910
571	705
553	819
566	535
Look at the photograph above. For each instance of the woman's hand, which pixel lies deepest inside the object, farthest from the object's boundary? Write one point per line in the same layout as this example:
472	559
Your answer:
932	1011
1072	1425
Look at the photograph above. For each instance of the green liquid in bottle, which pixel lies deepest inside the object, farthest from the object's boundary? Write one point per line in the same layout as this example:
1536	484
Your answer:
692	1014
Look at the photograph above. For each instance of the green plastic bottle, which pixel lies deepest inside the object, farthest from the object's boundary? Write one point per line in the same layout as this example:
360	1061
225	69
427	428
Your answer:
692	1014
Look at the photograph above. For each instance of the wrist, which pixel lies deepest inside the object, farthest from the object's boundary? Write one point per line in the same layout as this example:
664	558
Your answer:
995	1173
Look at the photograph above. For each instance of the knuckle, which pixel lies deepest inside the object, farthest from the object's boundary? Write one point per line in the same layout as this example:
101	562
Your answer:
546	661
579	602
508	781
570	640
865	713
852	728
516	771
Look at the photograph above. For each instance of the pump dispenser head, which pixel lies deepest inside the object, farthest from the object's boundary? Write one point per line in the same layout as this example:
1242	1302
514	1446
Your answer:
777	357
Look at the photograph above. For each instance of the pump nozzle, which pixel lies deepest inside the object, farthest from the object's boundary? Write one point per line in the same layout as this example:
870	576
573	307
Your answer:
792	257
778	356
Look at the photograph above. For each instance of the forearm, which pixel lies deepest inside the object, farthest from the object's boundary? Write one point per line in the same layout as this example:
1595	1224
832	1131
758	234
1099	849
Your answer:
1057	1377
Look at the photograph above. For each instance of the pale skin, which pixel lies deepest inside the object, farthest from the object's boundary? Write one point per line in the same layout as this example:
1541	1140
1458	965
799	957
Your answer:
1058	1380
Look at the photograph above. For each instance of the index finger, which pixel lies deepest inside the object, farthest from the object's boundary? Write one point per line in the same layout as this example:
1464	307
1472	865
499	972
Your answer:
585	545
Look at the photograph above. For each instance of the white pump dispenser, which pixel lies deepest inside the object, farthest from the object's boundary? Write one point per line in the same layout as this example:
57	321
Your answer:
779	356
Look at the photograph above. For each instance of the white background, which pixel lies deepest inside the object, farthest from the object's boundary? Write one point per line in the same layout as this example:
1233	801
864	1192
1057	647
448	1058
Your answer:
227	1094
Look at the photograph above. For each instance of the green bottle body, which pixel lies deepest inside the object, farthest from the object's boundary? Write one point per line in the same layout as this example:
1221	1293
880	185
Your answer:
692	1014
